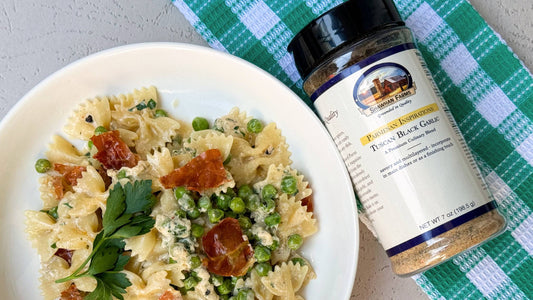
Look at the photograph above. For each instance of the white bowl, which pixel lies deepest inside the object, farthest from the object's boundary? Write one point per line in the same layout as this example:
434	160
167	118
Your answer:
192	81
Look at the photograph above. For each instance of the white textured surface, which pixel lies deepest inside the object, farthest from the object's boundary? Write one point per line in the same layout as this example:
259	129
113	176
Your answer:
38	38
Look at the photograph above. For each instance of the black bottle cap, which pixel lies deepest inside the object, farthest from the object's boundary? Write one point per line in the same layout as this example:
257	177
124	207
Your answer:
348	22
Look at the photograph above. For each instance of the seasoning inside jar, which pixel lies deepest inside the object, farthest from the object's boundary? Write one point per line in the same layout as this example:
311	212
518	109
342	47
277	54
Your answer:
409	164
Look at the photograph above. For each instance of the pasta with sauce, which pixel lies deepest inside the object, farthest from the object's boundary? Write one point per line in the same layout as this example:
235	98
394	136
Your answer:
229	211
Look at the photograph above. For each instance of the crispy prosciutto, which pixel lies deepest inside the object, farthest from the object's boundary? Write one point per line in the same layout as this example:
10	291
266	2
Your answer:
171	295
202	172
72	293
228	253
308	201
68	178
65	254
113	153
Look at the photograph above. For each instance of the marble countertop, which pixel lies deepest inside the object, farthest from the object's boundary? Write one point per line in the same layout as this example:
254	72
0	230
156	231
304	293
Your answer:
40	37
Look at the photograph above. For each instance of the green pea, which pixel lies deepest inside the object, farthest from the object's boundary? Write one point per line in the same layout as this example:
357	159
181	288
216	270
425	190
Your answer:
190	282
274	245
269	192
295	241
289	185
216	280
151	104
244	294
262	253
273	219
254	126
181	213
160	113
245	222
99	130
225	287
224	297
204	203
223	201
194	213
195	262
231	193
214	215
230	214
200	123
197	230
180	191
187	203
43	165
263	268
270	205
237	205
253	203
245	191
121	174
298	260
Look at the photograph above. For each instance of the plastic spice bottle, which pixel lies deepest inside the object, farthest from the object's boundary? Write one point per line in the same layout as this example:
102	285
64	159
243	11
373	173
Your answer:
409	164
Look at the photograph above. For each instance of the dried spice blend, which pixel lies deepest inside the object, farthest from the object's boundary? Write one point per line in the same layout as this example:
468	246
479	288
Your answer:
409	164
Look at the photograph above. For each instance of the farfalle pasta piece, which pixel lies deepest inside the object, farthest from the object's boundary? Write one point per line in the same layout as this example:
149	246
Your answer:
151	287
155	133
142	245
76	233
62	151
250	163
42	232
129	101
89	115
233	124
204	140
260	291
286	280
294	218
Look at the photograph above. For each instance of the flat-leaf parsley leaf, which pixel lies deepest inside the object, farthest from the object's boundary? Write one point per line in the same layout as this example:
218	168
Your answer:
127	214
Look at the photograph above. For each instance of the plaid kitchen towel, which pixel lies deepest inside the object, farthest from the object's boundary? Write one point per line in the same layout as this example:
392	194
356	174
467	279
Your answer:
488	90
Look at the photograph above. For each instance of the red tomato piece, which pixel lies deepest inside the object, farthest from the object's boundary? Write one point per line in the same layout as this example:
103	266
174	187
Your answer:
202	172
113	153
228	253
72	293
65	254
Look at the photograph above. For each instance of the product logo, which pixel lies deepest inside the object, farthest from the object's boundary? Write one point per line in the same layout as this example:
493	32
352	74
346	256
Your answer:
381	86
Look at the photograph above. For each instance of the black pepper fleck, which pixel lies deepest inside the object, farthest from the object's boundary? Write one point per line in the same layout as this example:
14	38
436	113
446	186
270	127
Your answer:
89	119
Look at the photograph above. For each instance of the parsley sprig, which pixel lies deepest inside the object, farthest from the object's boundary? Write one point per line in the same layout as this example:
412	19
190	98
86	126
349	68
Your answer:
127	214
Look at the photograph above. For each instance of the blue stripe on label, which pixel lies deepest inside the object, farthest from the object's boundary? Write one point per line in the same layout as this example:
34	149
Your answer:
352	69
442	228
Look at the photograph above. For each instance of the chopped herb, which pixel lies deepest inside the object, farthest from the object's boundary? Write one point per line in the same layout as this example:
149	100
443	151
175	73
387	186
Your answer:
67	205
53	246
227	160
52	212
142	105
127	214
151	104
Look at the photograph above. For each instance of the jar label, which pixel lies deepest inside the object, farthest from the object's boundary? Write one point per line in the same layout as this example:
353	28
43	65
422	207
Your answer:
409	164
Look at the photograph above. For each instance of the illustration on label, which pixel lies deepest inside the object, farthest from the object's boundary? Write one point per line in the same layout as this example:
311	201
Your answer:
382	85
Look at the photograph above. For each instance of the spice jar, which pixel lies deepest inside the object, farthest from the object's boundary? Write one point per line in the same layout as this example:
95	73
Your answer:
410	166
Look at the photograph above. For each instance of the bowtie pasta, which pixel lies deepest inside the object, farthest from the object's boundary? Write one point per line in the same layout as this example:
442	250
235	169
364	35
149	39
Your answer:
154	208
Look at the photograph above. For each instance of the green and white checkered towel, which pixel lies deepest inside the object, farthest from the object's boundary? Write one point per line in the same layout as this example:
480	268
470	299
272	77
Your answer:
488	90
